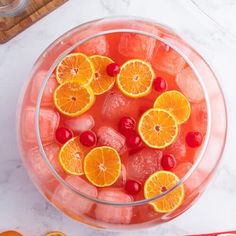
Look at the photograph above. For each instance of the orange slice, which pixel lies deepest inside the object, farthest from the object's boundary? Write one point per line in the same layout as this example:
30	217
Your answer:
102	82
55	233
71	157
72	99
176	103
10	233
135	78
160	182
75	67
102	166
158	128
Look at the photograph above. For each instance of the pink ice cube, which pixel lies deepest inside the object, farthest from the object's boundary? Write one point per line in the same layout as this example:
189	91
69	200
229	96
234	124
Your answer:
167	60
143	163
150	213
133	45
189	85
178	147
72	201
107	136
38	80
114	214
182	169
49	121
94	46
193	181
39	165
122	178
80	123
198	117
115	105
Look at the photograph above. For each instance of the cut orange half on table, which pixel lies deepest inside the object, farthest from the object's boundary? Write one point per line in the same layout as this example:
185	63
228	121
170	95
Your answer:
71	157
102	82
176	103
72	99
10	233
55	233
135	78
160	182
102	166
75	67
158	128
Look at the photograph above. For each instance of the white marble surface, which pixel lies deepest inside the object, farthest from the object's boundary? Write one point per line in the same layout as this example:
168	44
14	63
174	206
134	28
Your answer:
22	207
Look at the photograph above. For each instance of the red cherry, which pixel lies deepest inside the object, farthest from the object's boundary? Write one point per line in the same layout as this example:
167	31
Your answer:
113	69
88	138
132	187
168	162
63	135
126	125
160	84
133	140
194	139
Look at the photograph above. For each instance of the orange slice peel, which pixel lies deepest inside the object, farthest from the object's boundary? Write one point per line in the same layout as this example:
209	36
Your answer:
55	233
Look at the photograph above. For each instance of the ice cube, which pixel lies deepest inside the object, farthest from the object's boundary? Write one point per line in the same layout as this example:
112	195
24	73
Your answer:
72	201
133	45
142	164
107	136
40	169
198	117
80	123
94	46
182	169
178	147
38	79
122	178
189	85
48	121
115	105
144	213
167	60
114	214
193	181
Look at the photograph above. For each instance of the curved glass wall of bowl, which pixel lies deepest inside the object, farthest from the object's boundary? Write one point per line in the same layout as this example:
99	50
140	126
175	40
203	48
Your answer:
221	15
12	7
48	63
220	12
215	42
39	100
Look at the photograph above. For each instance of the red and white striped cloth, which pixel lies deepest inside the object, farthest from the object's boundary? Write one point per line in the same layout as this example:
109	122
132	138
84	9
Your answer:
228	233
